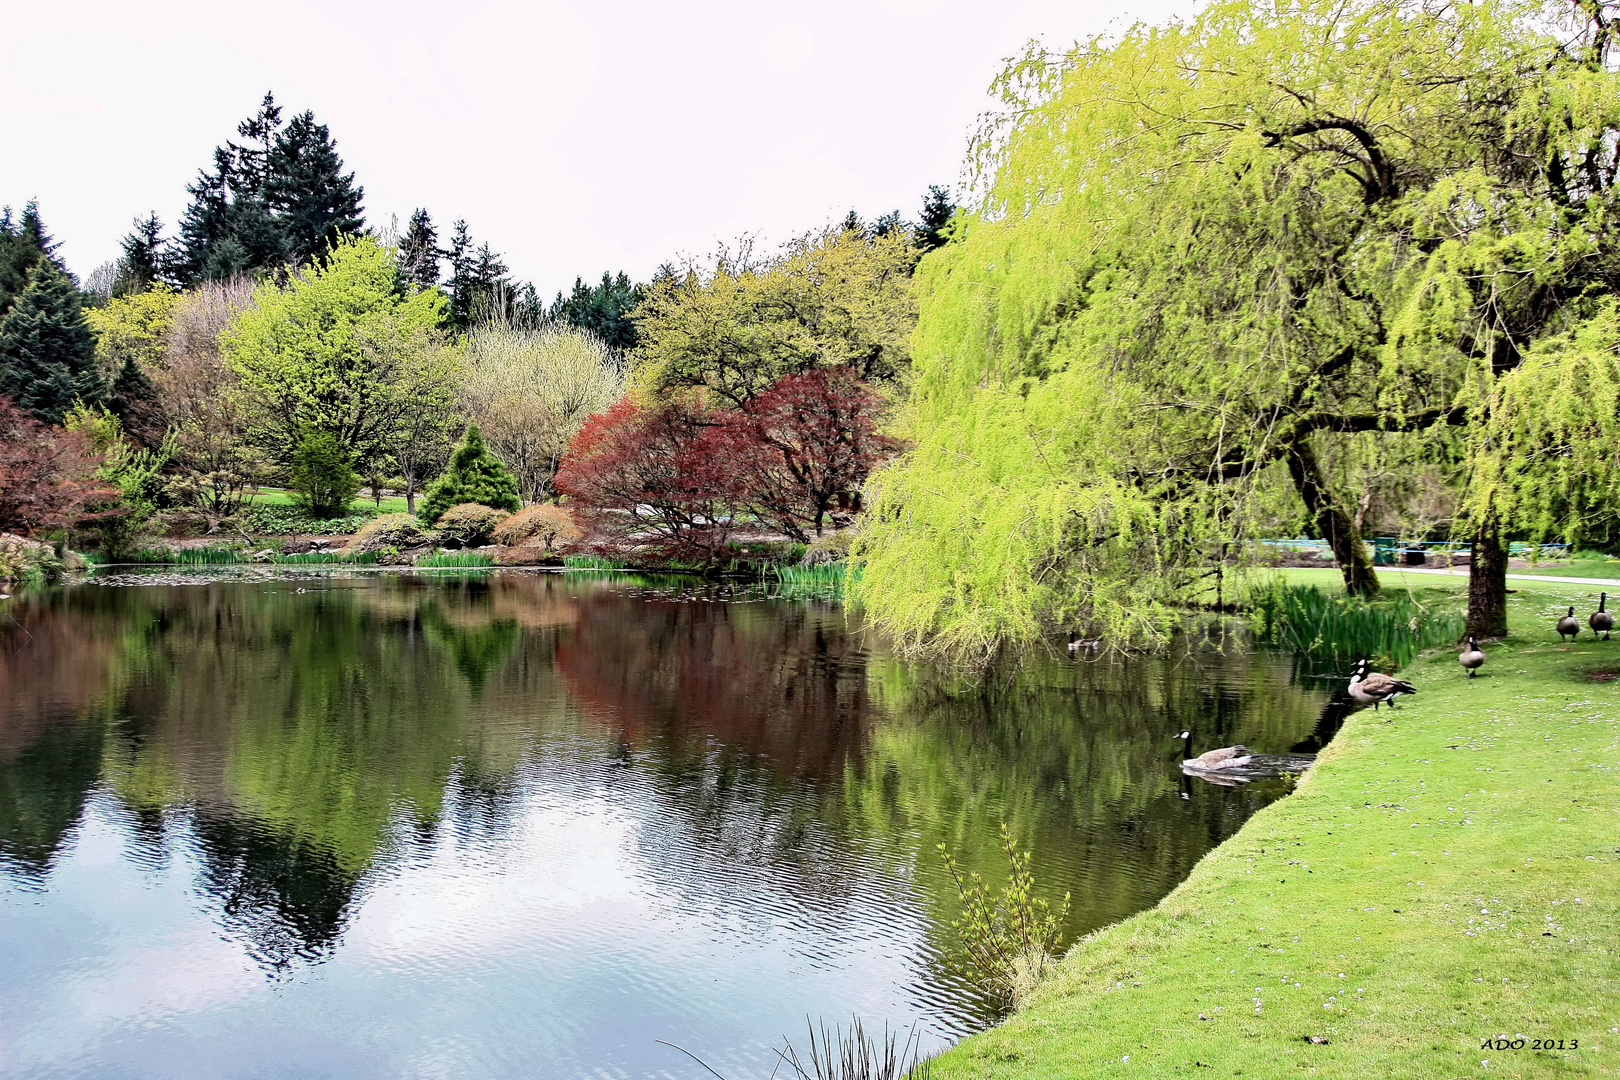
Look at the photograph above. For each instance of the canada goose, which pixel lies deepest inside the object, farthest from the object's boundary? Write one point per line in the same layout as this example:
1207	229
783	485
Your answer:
1472	657
1089	644
1601	621
1568	625
1227	757
1372	688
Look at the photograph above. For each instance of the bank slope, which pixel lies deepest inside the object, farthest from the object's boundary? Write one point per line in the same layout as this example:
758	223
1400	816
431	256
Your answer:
1446	874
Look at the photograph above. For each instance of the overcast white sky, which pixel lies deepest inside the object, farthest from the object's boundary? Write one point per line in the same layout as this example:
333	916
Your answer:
575	137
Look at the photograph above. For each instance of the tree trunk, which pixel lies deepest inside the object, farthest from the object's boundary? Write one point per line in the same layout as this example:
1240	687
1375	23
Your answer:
1487	583
410	493
1331	521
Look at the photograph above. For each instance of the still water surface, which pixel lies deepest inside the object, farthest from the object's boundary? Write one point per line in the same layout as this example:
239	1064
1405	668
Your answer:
527	825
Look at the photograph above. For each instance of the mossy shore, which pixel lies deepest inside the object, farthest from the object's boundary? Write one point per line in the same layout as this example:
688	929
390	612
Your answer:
1446	874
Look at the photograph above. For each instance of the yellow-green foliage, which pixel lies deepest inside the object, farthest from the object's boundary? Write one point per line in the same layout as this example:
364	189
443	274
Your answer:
1184	263
134	328
1549	457
337	349
835	299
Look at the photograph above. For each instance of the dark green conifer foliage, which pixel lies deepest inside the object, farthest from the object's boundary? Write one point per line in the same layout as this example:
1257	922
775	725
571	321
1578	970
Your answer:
322	478
313	200
852	223
419	252
462	285
603	309
473	476
23	244
936	214
47	350
144	260
279	198
133	398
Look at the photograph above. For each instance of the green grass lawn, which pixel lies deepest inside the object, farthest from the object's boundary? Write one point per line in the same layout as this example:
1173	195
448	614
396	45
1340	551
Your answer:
1595	566
1447	873
391	504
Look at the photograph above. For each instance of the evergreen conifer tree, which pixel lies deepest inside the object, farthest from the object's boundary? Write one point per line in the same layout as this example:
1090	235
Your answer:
463	284
206	222
252	163
144	260
473	476
936	214
47	351
603	309
419	252
313	200
23	244
321	476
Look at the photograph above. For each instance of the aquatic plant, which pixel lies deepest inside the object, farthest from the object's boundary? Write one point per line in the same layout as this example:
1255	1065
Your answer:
591	562
192	556
1390	630
324	557
456	559
833	574
854	1055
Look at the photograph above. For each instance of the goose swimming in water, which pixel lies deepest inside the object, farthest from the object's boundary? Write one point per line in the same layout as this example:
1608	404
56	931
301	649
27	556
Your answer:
1472	657
1227	757
1600	620
1373	688
1568	626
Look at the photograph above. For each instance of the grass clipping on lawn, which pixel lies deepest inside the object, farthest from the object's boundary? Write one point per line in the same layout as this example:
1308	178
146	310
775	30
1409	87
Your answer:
1447	873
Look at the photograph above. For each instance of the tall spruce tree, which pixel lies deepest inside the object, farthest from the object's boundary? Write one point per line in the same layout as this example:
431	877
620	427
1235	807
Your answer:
47	351
313	201
279	197
463	283
936	214
602	309
144	260
419	252
23	243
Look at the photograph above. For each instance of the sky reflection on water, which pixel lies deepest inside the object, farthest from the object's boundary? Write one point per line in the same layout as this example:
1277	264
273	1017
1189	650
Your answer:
523	825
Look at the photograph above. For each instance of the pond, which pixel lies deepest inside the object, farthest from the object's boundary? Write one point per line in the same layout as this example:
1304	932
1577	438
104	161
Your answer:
530	824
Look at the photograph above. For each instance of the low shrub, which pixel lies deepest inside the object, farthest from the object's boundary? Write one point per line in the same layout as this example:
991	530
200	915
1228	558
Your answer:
271	520
592	562
29	562
469	524
390	531
543	525
1389	630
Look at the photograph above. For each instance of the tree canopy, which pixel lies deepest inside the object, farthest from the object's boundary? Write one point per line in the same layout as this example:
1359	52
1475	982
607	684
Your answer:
1200	255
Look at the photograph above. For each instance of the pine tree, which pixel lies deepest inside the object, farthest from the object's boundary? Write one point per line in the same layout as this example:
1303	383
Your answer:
22	245
47	352
313	200
852	223
491	288
144	260
473	476
321	476
936	214
252	163
419	252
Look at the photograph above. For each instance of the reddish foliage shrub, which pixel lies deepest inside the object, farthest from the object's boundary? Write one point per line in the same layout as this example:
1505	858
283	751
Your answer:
48	478
644	476
800	451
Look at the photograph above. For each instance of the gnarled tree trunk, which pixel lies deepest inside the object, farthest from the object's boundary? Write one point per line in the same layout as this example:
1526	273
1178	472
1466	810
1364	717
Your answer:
1487	582
1331	520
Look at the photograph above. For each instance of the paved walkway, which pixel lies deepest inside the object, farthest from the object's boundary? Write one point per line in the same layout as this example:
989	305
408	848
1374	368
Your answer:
1612	582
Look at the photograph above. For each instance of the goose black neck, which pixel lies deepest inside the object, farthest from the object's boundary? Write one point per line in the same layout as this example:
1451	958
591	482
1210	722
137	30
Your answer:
1186	744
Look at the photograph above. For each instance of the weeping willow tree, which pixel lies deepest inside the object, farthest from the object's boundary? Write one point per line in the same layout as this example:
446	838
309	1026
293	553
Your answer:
1198	257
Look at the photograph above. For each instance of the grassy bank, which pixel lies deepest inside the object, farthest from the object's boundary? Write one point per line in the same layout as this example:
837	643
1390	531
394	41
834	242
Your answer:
1446	873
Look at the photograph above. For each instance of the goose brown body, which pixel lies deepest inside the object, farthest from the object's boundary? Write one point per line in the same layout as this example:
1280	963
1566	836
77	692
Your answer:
1568	626
1227	757
1472	657
1600	620
1374	688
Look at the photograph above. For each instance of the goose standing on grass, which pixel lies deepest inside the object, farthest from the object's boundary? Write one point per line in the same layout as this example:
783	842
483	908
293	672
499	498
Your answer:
1372	688
1601	621
1568	625
1472	657
1227	757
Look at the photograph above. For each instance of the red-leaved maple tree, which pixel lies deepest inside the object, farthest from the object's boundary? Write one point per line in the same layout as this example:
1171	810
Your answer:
643	475
798	453
48	478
